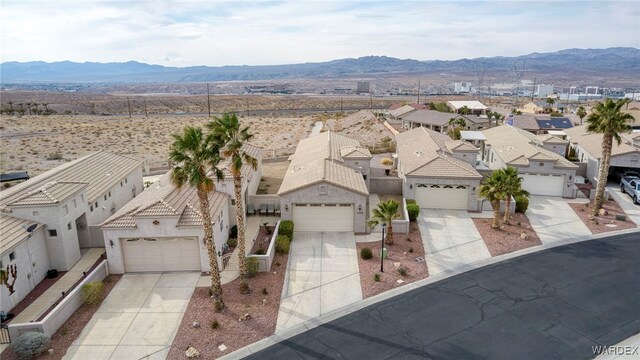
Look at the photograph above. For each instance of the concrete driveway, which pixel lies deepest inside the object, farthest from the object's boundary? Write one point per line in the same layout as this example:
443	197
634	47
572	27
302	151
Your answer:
138	319
626	203
450	240
554	220
322	276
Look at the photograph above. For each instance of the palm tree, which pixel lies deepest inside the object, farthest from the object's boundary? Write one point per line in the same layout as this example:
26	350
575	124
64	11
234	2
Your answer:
492	189
607	119
550	102
464	110
195	156
512	187
231	139
385	213
582	112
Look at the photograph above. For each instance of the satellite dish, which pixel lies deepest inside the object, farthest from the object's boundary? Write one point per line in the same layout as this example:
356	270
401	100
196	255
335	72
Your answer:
31	227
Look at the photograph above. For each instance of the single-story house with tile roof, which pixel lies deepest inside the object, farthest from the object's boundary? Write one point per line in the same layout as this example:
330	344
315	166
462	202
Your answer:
399	113
325	187
544	172
436	171
24	246
532	108
475	106
588	149
439	121
161	230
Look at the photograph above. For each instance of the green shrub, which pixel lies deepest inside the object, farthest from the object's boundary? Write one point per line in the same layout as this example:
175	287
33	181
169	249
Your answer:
366	253
232	242
264	291
620	217
413	211
376	277
410	201
92	292
286	228
215	324
30	344
410	249
403	271
260	251
233	232
282	244
522	204
253	266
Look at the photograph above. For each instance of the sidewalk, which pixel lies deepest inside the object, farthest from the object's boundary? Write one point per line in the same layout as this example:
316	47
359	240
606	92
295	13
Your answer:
49	297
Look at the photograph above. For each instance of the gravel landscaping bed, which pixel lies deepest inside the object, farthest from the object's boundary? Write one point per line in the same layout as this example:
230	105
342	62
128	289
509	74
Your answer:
601	224
399	252
263	238
509	238
234	334
34	294
71	329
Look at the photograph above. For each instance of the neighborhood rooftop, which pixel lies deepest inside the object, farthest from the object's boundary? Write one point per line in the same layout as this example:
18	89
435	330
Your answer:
14	230
99	172
592	143
319	158
472	105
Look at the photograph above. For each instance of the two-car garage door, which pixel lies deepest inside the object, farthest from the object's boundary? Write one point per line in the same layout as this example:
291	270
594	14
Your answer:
431	196
543	184
161	254
323	217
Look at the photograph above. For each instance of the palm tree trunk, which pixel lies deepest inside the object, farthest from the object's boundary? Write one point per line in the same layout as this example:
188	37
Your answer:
216	284
389	239
237	187
603	172
507	205
496	214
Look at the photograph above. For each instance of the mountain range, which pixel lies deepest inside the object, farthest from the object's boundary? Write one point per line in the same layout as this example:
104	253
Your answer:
616	58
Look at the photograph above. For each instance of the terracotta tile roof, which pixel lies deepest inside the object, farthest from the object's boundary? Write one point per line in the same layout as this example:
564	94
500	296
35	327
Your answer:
319	158
100	171
13	231
420	154
162	198
516	147
592	143
50	193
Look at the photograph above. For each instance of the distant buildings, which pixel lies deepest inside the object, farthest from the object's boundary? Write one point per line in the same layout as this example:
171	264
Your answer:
363	87
543	90
462	87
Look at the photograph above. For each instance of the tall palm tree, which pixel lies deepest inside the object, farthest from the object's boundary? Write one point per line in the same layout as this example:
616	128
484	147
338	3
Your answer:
464	110
582	112
550	102
607	119
385	213
196	156
512	187
492	189
231	138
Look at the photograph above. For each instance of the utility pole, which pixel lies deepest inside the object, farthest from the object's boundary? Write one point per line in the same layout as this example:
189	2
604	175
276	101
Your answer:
534	88
247	106
129	106
208	101
341	104
146	113
370	100
418	91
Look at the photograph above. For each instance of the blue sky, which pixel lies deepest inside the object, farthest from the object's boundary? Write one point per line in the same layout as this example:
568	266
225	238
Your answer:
215	33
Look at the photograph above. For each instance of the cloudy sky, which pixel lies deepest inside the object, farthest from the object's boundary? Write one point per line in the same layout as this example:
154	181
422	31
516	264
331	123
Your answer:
185	33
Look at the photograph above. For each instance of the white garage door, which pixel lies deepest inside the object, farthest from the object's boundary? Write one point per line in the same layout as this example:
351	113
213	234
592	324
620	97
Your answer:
543	184
323	217
442	196
161	254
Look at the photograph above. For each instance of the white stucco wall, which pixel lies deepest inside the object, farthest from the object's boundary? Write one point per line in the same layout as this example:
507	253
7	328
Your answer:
32	263
132	185
362	165
468	157
311	195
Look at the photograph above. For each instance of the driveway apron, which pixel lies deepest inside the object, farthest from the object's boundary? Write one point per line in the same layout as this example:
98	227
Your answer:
450	239
626	203
554	220
322	276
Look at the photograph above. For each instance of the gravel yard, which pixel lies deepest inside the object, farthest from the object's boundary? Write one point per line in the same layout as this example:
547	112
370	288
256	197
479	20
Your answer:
601	224
508	239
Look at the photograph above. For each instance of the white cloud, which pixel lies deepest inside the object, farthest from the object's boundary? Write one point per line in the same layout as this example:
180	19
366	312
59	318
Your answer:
183	33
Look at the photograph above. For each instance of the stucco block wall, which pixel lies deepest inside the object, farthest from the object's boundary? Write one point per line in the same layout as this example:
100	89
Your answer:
410	182
362	165
468	157
558	149
311	195
32	263
120	195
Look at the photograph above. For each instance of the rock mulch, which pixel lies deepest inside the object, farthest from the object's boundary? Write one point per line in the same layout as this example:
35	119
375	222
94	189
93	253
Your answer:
509	238
258	311
71	329
399	252
602	223
263	238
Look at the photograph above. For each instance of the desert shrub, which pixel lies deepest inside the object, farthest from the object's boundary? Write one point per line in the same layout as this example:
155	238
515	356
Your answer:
621	217
366	253
92	292
30	344
54	156
386	162
403	271
410	201
522	204
260	251
410	249
215	324
282	244
252	266
376	277
233	232
264	291
232	242
414	211
286	228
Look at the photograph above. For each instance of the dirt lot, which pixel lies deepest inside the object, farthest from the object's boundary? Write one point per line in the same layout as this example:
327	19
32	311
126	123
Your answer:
272	175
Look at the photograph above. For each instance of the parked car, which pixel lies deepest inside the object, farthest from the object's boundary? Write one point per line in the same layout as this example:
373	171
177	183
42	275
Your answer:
631	185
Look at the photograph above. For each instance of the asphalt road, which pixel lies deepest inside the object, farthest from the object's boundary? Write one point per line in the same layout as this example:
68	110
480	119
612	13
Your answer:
554	304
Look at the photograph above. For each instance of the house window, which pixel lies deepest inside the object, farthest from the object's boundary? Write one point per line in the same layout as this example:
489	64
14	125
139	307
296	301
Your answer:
233	202
53	233
35	213
364	176
357	163
96	205
323	190
75	203
91	208
81	198
12	256
120	183
109	193
634	158
221	224
65	209
69	226
224	185
105	197
125	180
